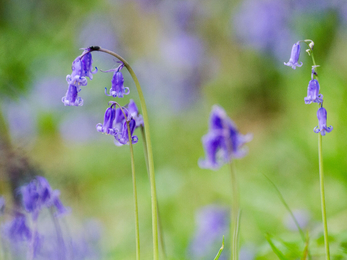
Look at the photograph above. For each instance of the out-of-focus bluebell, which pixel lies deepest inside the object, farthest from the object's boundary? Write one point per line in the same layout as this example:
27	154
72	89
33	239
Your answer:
263	25
223	138
294	57
212	224
322	122
38	194
176	73
302	217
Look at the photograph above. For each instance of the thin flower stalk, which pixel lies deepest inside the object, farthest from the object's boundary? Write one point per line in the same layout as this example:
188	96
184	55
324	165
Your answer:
149	148
321	175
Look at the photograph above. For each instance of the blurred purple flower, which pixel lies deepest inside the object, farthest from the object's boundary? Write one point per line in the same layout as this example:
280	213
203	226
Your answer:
134	113
223	136
122	137
322	122
117	89
212	223
264	32
38	194
17	229
294	57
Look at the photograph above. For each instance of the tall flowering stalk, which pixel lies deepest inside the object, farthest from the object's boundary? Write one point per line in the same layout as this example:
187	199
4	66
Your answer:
314	96
222	144
121	129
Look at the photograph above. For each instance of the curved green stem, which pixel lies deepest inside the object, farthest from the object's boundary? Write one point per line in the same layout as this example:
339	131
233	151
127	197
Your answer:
160	228
324	214
149	150
234	226
137	231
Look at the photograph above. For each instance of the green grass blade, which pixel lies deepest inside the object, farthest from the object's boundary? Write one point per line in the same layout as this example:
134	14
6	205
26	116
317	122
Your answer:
275	249
220	250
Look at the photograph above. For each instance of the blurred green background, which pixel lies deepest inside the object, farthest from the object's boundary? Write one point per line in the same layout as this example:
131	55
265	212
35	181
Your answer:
188	55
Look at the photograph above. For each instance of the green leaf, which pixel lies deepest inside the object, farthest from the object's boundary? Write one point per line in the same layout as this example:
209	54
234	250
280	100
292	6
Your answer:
275	249
220	250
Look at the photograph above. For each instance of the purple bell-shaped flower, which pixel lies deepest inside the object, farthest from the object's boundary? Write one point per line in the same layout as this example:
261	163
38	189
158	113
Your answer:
294	57
117	89
71	97
322	122
223	142
313	93
107	127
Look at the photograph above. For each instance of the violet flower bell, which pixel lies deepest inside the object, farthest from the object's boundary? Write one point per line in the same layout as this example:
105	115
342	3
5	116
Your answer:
81	68
117	89
294	57
71	97
37	195
223	142
134	113
109	118
313	93
322	122
122	137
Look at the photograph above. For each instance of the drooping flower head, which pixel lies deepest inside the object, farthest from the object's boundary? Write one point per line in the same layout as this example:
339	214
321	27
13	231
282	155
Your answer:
294	57
38	194
223	138
71	97
107	127
322	122
17	230
313	93
134	113
117	89
81	68
313	90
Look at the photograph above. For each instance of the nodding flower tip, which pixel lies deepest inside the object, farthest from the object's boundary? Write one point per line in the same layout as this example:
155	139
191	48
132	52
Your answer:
294	57
223	142
322	127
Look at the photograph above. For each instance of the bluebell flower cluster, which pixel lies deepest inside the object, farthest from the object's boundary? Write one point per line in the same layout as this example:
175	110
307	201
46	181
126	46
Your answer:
115	122
81	68
115	119
222	139
36	196
313	89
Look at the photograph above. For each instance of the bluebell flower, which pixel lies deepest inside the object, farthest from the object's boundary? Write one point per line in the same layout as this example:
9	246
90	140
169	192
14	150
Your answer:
71	97
117	89
313	93
122	136
322	122
223	138
38	194
108	126
212	223
294	57
134	113
81	68
17	229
